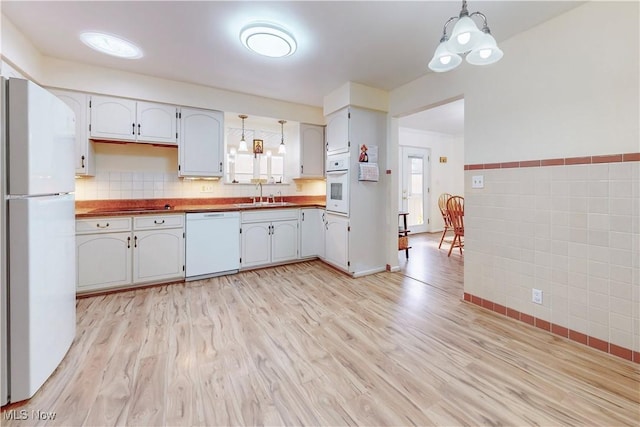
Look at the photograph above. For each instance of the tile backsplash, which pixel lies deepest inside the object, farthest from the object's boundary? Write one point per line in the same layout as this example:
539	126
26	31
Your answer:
157	185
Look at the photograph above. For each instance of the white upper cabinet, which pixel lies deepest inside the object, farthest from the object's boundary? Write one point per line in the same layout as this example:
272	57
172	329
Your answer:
338	132
156	123
84	154
312	150
201	143
129	120
112	118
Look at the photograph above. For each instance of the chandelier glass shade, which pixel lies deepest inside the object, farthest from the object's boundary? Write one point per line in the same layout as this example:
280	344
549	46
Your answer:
478	45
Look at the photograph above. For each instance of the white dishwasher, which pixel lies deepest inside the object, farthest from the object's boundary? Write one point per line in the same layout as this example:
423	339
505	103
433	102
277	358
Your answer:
212	244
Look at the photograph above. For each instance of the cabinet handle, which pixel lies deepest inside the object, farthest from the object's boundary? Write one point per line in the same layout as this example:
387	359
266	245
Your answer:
129	242
155	221
135	241
102	226
138	128
82	158
301	168
220	166
133	128
303	216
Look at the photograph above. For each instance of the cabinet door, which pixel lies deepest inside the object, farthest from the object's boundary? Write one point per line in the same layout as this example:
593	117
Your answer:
337	241
311	151
201	143
256	244
338	132
103	260
156	123
79	103
284	241
311	233
112	118
158	255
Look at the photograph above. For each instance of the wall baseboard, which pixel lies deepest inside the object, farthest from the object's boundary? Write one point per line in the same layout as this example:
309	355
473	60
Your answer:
598	344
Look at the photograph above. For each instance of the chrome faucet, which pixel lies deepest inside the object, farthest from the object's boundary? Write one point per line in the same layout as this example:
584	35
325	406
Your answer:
259	200
279	194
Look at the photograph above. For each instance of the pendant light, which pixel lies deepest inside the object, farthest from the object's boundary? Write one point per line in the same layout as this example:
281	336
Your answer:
479	45
242	147
282	149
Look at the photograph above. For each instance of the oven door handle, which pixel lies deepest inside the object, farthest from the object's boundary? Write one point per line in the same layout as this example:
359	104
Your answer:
337	172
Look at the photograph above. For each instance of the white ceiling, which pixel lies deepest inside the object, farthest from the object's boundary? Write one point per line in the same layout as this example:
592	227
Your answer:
383	44
447	119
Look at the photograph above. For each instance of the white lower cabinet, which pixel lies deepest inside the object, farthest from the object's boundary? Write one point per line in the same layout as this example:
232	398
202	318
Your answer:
311	232
103	260
115	252
158	255
337	241
268	237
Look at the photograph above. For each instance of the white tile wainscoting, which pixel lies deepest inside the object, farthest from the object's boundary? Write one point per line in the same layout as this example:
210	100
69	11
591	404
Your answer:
571	229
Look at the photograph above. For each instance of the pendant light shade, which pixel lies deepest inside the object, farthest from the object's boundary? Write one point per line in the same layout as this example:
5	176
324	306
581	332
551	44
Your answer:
486	52
281	148
479	46
242	146
444	60
465	36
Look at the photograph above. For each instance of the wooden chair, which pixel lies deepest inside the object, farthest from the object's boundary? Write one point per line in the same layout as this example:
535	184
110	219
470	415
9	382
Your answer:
442	204
455	209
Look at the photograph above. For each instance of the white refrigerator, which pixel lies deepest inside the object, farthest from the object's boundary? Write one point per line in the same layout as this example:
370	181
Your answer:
38	316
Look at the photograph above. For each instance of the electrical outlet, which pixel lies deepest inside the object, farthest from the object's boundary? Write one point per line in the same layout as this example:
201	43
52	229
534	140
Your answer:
536	296
206	188
477	181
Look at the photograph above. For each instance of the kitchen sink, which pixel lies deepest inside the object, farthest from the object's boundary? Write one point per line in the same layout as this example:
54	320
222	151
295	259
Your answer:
263	204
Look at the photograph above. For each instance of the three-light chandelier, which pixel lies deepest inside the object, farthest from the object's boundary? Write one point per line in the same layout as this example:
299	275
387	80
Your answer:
479	45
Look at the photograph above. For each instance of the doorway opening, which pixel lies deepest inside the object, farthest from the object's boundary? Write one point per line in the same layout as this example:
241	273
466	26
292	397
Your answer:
431	162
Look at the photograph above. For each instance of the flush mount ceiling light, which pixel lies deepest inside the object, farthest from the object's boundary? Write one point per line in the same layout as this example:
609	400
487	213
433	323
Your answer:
479	45
111	45
268	40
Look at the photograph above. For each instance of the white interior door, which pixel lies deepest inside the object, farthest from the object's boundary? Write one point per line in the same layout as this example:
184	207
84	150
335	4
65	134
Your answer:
414	191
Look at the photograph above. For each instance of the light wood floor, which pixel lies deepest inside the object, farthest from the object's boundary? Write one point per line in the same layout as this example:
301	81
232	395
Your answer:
305	345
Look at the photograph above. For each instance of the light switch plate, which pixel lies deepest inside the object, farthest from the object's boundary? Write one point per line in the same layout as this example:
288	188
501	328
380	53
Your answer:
477	181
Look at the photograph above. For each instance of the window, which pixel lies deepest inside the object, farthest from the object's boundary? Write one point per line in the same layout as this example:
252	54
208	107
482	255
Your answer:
242	167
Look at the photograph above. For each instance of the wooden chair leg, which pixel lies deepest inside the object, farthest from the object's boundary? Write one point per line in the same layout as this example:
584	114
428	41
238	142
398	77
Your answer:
442	238
453	242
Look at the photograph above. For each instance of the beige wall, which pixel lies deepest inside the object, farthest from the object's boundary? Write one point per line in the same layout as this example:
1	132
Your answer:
566	88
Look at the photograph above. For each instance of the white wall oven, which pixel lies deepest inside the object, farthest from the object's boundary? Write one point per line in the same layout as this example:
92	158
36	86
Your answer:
338	184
